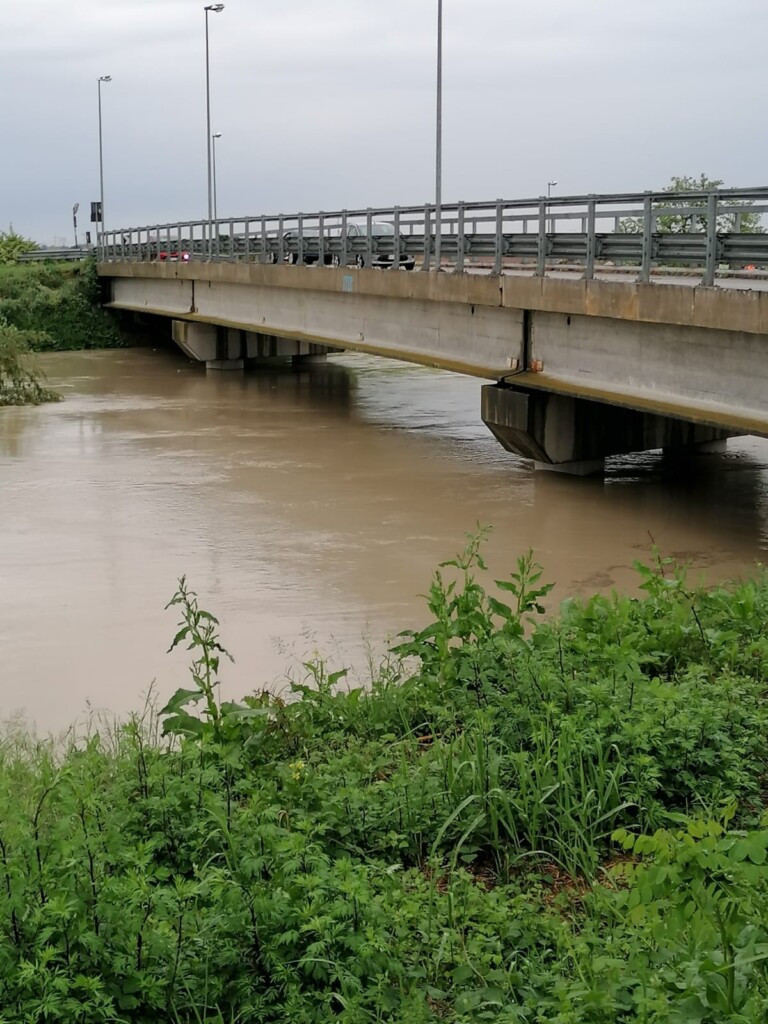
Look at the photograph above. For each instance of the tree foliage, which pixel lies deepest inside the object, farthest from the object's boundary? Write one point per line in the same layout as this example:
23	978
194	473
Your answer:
20	382
692	217
12	244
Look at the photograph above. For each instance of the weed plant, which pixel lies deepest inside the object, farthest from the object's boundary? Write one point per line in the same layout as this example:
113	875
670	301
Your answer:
520	821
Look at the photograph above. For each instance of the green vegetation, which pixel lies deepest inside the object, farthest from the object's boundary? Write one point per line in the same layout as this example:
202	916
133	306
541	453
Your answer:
677	223
20	382
12	244
57	305
519	821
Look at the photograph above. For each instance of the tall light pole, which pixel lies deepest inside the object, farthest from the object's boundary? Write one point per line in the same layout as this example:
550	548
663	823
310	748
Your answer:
550	186
216	135
102	78
439	140
217	9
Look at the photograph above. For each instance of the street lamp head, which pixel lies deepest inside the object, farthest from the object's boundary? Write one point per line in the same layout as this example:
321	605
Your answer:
216	135
216	8
105	78
551	184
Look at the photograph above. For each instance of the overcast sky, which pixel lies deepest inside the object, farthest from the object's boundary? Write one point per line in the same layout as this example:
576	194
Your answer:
326	104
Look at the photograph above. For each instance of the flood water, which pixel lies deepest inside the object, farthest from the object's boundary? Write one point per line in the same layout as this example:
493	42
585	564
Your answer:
308	508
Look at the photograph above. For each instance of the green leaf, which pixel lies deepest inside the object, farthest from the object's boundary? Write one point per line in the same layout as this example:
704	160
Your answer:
180	699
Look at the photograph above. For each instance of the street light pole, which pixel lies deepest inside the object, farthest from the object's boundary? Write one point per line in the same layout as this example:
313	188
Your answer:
216	135
439	140
550	186
102	78
75	208
217	9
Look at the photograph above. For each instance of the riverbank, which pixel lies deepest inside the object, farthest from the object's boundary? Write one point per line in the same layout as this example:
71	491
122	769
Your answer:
558	821
56	306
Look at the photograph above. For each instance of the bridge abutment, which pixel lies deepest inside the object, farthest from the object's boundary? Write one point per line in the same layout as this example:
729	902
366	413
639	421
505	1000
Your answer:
575	435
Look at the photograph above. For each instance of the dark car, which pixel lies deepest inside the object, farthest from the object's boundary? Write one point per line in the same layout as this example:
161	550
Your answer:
291	246
380	231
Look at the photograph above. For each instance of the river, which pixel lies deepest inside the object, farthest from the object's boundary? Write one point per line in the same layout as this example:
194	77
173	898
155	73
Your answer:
307	508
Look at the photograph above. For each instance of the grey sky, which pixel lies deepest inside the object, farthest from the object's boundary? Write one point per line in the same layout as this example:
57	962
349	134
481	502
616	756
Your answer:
330	103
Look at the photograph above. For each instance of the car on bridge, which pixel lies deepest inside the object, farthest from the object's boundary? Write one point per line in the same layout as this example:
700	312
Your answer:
379	230
167	251
291	240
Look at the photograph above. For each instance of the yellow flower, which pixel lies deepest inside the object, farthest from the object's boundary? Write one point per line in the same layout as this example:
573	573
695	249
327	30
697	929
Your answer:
297	767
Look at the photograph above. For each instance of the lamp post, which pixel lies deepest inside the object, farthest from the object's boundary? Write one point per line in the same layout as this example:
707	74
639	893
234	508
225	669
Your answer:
216	135
75	208
102	78
439	140
217	9
550	186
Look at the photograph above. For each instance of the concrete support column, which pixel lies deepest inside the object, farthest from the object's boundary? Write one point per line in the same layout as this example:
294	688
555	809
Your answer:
220	348
574	435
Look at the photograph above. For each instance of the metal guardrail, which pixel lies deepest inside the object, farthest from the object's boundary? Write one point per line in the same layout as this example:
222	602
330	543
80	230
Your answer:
82	252
638	232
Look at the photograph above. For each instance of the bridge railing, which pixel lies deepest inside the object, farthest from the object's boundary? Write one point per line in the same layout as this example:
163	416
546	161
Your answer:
715	233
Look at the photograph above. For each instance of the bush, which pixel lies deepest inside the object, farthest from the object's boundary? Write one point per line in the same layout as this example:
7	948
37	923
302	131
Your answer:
59	304
20	383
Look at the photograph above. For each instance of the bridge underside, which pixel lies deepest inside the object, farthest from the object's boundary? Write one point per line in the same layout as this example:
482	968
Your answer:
581	369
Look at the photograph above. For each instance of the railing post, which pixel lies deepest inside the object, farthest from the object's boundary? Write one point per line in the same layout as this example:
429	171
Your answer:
498	241
369	237
460	241
280	239
711	264
344	257
264	242
247	232
396	240
541	249
589	269
427	238
645	262
300	254
321	239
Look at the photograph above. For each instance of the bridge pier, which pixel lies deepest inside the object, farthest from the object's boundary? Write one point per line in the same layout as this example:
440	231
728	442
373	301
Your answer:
574	435
228	348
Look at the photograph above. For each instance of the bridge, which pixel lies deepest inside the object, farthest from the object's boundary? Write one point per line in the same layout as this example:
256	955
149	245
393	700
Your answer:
607	324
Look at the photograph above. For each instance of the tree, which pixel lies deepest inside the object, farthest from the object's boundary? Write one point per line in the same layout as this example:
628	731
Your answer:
20	382
691	221
12	244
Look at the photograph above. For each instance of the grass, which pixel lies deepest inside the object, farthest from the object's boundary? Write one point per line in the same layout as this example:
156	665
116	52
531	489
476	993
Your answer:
521	821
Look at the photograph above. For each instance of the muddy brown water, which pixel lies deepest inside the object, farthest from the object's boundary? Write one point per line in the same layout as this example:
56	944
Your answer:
307	508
